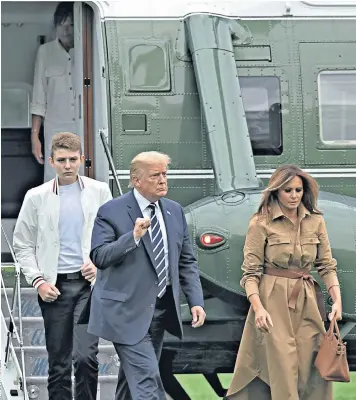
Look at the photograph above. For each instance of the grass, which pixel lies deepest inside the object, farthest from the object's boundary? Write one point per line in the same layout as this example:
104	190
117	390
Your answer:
199	389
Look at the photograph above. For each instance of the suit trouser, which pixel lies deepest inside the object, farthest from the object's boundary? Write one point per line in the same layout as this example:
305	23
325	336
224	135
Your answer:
67	341
139	377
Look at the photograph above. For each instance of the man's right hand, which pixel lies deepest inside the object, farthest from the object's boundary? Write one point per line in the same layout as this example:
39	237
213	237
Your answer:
37	149
48	292
141	226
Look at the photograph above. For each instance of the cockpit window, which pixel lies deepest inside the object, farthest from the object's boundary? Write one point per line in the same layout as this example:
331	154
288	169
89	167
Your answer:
337	102
261	96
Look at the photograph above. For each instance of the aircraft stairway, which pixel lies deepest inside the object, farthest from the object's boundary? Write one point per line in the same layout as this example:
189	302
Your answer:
19	304
34	347
12	379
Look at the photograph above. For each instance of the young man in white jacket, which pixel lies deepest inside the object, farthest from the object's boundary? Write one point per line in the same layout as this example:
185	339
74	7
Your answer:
52	240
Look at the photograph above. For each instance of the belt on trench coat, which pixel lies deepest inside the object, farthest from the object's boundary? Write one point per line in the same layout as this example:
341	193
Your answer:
301	276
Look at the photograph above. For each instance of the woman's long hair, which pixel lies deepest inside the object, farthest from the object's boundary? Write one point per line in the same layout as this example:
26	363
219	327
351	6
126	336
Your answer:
279	178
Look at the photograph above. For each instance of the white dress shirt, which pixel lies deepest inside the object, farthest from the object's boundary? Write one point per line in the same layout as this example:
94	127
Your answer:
53	87
53	96
143	203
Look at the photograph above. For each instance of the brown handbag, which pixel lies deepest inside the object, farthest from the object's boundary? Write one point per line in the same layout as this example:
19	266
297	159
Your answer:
331	360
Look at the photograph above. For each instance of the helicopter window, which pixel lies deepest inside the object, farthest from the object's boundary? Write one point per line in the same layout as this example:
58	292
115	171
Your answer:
337	101
148	66
261	97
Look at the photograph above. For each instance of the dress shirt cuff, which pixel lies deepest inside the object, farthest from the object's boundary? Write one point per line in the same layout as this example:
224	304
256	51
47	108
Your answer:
251	287
330	280
137	241
37	109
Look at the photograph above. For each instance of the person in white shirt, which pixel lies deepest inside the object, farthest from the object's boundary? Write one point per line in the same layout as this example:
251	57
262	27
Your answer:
52	240
53	97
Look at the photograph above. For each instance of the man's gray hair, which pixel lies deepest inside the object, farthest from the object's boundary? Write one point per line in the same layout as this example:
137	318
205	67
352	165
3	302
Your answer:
143	160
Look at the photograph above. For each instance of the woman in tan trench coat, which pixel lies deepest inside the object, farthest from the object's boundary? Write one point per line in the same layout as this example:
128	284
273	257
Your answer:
284	326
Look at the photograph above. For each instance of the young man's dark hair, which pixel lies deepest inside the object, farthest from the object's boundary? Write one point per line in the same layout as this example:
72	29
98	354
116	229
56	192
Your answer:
66	140
63	11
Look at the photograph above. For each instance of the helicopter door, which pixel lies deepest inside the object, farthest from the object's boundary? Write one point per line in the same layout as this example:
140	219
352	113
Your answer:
329	98
78	72
83	81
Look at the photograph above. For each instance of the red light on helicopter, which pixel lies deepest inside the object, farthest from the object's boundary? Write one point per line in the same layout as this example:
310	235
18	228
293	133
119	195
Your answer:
211	240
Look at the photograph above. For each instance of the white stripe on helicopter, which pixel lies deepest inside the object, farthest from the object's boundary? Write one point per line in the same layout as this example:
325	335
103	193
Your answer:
266	173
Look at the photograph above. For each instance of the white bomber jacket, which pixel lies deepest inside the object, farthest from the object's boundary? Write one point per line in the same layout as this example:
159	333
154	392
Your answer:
36	239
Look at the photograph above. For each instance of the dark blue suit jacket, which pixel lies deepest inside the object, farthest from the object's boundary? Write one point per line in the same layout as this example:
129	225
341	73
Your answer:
126	287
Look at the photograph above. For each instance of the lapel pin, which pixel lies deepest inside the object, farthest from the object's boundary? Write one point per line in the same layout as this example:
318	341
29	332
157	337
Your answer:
168	212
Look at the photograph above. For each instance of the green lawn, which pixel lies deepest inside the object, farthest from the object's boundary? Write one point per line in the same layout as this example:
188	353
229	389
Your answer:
198	388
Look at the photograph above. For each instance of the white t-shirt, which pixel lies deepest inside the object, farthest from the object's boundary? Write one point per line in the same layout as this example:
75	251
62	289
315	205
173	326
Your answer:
71	222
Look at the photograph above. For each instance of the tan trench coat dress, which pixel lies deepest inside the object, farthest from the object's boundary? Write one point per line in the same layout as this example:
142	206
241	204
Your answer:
279	365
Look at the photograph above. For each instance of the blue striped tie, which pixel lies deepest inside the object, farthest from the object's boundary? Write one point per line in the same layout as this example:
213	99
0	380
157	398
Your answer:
158	251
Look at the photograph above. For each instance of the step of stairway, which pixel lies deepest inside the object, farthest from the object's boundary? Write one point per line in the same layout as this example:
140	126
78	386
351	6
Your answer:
29	302
33	331
37	387
36	360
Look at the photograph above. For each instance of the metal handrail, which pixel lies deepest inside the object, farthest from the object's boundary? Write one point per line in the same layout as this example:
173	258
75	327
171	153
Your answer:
12	329
110	160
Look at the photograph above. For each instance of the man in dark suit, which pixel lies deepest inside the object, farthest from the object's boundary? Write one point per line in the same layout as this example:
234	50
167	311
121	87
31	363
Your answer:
142	249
